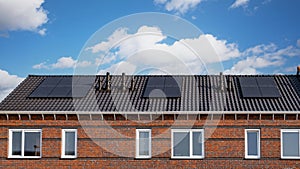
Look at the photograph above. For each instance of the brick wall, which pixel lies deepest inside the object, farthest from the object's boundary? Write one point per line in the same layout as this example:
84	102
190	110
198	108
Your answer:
105	144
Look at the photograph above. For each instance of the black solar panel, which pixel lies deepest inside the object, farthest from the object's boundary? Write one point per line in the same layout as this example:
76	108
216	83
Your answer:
63	87
248	81
60	91
266	81
251	92
270	92
163	87
259	87
51	81
42	91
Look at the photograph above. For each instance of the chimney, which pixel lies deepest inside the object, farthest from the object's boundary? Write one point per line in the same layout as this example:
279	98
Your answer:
132	84
123	82
221	81
108	82
298	70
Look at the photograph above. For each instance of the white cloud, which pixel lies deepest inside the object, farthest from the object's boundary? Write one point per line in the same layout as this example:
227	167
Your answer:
298	42
26	15
62	63
239	3
7	83
178	6
262	56
145	49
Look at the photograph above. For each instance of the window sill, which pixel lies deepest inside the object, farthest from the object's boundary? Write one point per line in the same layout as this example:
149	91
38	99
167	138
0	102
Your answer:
26	157
290	158
190	158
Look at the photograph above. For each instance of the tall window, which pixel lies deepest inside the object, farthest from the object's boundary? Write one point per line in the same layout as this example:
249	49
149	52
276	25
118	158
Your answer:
252	143
290	148
143	143
69	143
187	143
25	143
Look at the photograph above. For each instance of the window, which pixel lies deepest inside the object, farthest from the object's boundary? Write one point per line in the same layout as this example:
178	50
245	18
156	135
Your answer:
252	143
143	143
187	143
25	143
69	143
290	144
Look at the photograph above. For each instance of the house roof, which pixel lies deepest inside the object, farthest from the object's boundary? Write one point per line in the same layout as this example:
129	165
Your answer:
198	93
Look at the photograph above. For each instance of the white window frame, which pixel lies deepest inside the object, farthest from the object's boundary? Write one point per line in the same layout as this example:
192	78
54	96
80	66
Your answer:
63	143
23	131
281	142
258	144
137	155
190	131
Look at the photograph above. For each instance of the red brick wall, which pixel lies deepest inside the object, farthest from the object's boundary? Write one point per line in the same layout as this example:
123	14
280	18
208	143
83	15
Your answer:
224	146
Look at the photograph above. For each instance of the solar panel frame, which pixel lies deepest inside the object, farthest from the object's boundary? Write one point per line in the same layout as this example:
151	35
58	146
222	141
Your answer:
65	81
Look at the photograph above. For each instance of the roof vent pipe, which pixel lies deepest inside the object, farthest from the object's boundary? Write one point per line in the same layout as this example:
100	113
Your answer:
123	81
132	84
229	83
108	81
298	70
221	81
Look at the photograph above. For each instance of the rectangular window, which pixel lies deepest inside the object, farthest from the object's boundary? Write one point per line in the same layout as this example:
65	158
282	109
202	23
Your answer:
69	143
187	143
143	143
252	143
290	148
25	143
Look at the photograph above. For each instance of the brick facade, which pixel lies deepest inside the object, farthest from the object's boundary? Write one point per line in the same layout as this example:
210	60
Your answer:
224	144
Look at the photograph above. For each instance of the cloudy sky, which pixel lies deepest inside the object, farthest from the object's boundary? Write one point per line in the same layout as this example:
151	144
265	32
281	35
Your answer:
47	36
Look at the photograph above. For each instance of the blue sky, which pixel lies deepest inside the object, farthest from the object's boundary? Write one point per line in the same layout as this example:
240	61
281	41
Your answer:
46	36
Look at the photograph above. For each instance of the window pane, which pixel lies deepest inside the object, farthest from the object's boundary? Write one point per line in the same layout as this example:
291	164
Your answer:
16	143
252	143
197	143
290	144
181	143
144	143
32	144
70	143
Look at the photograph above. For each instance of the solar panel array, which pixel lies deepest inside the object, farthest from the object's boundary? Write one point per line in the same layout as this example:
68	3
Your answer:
259	87
63	87
163	87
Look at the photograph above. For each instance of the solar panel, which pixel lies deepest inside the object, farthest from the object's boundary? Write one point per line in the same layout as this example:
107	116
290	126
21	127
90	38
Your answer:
266	81
42	91
259	87
173	81
53	87
60	92
163	87
51	81
251	92
66	81
155	81
248	81
172	92
270	92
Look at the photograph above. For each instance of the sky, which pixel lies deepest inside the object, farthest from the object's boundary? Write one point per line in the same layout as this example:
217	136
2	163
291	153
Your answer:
67	37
